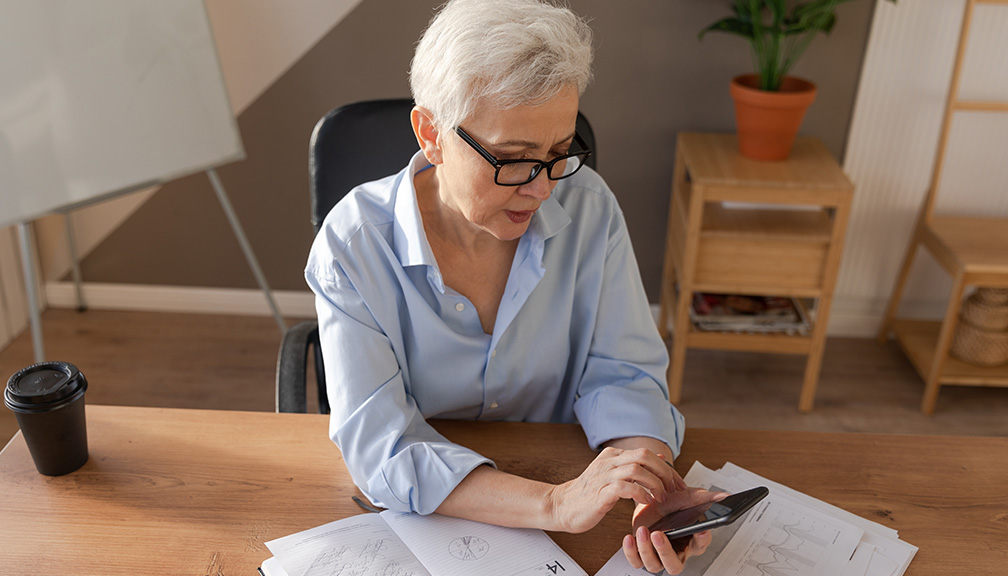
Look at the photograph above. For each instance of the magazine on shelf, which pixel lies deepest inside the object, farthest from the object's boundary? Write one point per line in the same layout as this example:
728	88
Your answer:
744	313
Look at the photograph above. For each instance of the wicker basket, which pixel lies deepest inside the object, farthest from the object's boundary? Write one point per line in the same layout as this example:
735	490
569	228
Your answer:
987	309
981	335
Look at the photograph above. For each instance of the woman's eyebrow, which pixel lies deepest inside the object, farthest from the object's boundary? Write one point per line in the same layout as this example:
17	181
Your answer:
527	143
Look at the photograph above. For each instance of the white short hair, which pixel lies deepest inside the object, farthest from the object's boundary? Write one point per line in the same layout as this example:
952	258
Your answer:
504	52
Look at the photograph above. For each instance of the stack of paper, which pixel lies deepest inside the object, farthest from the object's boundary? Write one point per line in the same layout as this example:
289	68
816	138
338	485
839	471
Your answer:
788	533
397	544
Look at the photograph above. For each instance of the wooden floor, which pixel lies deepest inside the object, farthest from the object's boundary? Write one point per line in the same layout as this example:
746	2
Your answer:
228	362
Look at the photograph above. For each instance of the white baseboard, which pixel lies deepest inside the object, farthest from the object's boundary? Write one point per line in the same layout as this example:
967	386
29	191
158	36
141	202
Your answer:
857	319
147	298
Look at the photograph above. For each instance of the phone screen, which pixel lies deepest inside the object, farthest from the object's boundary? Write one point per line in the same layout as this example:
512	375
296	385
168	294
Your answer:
689	516
709	515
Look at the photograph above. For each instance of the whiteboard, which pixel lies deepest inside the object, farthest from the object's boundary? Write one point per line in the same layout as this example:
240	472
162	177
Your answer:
103	97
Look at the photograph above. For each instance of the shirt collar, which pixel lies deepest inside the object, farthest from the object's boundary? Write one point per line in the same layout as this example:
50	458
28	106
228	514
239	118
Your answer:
551	217
411	244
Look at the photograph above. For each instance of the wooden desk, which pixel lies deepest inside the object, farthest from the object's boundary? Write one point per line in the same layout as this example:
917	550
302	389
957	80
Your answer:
198	492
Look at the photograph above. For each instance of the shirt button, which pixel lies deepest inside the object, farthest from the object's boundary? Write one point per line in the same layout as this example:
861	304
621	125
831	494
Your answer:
493	406
493	354
460	306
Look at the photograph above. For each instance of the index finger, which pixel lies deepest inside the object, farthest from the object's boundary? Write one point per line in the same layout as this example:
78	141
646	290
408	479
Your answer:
663	469
677	480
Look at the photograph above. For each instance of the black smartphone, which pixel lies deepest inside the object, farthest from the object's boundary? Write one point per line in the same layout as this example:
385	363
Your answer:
710	515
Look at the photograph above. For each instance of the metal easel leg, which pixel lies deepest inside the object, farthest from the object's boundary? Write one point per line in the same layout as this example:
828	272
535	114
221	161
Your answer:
28	265
246	247
75	262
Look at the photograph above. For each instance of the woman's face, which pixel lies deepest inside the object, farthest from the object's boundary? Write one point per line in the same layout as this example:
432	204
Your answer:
466	184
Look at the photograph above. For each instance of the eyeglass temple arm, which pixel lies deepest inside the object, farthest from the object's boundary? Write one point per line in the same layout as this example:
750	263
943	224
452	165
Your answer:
476	146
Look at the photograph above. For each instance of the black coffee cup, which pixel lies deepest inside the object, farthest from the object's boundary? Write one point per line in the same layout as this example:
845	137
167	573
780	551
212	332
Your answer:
48	401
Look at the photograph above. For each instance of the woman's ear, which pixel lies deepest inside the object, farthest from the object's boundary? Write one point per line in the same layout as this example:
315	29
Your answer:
426	134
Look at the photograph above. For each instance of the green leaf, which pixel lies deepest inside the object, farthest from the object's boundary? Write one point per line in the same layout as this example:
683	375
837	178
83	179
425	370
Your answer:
731	26
777	38
778	11
823	23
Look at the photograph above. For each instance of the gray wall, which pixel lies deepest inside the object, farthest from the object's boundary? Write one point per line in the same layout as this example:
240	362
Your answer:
653	78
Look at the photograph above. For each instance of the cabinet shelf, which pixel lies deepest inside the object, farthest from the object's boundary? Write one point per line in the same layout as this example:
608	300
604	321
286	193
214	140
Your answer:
800	226
774	343
918	338
752	288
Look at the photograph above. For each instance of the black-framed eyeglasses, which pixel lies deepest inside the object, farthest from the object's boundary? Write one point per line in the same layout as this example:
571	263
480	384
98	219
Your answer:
518	172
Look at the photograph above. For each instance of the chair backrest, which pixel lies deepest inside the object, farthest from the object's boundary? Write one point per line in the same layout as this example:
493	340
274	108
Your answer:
357	143
368	140
350	145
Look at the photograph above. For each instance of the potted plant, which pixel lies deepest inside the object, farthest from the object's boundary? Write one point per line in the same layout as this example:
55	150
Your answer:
770	105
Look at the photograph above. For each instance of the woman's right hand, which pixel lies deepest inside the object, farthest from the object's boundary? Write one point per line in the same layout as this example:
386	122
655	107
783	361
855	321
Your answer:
640	475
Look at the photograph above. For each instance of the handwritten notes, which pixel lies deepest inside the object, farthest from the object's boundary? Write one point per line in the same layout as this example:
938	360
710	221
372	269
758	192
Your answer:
357	546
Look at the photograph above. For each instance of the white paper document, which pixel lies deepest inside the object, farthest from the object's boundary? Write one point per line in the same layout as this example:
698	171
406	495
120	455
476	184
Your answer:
787	534
395	544
889	555
778	536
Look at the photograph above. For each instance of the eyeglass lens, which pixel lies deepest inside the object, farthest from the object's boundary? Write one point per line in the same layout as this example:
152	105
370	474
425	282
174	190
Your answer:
516	173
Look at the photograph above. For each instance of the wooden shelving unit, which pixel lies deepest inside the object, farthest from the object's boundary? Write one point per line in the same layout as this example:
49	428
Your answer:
972	250
739	226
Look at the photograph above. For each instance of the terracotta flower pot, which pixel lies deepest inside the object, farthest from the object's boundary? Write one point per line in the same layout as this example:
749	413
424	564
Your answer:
768	122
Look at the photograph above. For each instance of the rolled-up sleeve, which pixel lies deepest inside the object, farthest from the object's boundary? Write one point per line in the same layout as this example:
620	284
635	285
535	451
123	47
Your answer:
398	460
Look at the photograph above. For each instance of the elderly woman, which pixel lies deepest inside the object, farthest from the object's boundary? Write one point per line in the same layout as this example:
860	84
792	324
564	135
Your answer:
493	279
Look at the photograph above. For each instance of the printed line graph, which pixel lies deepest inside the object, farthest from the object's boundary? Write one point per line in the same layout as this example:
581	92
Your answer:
792	546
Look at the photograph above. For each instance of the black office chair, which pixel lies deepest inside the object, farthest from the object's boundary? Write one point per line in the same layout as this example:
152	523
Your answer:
350	145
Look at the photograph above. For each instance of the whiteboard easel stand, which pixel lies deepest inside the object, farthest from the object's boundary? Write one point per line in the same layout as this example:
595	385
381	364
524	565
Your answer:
28	266
245	246
75	262
27	263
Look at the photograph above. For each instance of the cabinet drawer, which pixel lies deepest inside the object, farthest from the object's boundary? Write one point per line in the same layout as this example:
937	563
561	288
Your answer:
749	263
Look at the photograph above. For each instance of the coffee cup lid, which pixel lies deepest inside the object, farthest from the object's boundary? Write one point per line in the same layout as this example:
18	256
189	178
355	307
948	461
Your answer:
43	383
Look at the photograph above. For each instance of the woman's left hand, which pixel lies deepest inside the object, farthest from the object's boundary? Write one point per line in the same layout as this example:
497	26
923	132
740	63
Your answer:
652	550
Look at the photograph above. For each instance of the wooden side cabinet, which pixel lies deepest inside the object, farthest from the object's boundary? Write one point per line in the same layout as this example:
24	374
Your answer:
740	226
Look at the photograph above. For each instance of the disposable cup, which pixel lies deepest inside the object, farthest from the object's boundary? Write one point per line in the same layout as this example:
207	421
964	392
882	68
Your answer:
48	401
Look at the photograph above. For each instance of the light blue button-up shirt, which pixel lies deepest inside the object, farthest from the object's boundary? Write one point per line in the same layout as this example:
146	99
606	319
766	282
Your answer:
574	339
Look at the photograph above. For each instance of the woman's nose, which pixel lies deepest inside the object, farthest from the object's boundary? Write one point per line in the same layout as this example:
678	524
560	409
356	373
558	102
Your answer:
540	187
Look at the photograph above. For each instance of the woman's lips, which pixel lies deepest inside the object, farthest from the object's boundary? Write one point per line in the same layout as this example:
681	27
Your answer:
519	216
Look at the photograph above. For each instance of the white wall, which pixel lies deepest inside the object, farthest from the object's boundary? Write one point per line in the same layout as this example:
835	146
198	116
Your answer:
892	144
